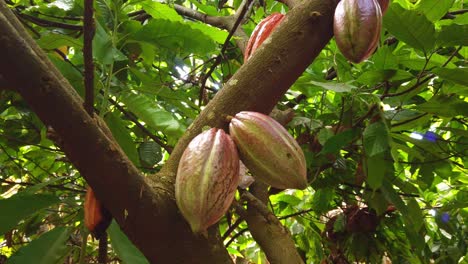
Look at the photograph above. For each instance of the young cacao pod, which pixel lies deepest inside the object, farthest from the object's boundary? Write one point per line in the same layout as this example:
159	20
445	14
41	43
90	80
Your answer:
357	25
207	179
268	150
96	217
261	32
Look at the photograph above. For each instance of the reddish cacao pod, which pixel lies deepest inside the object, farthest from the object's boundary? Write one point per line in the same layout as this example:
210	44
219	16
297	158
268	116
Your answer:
261	32
207	179
268	150
357	25
383	5
96	217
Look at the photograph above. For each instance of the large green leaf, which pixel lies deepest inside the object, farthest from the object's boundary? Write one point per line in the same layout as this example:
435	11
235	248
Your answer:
122	246
445	105
122	135
53	41
377	167
376	138
453	35
338	141
434	9
20	206
175	36
458	75
410	27
336	87
160	11
49	248
153	116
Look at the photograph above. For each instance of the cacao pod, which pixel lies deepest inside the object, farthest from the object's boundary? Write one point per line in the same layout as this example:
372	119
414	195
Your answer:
207	178
383	5
268	150
261	32
96	217
357	25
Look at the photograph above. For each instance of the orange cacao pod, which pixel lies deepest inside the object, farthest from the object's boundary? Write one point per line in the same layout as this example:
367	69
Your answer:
268	150
207	179
261	32
96	217
357	25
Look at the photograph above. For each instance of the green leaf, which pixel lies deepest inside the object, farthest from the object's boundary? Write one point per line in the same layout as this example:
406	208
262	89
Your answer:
122	135
53	41
458	75
453	35
445	105
214	33
126	251
338	141
153	116
175	36
322	200
49	248
376	167
434	9
415	214
373	77
150	153
336	87
376	138
20	206
160	11
103	48
417	31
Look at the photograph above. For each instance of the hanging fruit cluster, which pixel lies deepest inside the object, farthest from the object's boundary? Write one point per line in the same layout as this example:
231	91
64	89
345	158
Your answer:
357	25
208	172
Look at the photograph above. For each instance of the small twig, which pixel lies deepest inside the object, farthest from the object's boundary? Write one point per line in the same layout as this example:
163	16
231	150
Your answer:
47	23
219	58
89	30
259	206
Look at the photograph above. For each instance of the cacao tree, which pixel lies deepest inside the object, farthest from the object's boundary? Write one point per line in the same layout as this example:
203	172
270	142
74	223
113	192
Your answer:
108	94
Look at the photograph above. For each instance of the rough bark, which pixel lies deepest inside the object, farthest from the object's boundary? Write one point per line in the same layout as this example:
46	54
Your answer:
145	209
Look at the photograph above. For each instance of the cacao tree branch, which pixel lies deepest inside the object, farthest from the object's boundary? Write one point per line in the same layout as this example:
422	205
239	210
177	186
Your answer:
144	210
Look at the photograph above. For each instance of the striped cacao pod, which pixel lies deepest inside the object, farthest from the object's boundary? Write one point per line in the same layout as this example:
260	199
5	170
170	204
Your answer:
261	32
383	5
357	25
207	178
96	217
268	150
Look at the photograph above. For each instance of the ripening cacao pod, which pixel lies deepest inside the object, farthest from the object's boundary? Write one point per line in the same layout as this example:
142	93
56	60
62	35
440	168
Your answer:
357	25
383	5
261	32
207	178
268	150
96	217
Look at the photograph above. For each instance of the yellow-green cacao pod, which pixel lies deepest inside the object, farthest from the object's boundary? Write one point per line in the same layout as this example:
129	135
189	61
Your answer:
207	178
268	150
357	25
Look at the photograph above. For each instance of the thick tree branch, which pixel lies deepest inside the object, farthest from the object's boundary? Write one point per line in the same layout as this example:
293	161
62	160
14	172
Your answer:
145	209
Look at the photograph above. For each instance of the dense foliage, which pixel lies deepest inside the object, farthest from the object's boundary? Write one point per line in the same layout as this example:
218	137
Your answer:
386	140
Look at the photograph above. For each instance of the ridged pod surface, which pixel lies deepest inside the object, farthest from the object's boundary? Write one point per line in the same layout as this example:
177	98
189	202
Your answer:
383	5
261	32
207	178
357	25
268	150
